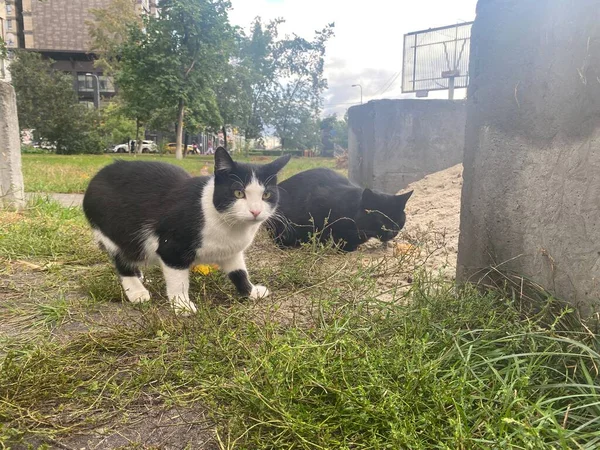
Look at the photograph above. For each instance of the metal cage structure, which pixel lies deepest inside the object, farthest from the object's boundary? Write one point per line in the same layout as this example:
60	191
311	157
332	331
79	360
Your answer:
436	59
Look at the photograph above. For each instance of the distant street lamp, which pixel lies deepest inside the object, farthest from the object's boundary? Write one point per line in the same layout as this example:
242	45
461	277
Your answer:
96	89
358	85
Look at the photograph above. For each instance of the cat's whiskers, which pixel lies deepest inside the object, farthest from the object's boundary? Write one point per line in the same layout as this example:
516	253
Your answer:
279	217
234	176
268	180
229	218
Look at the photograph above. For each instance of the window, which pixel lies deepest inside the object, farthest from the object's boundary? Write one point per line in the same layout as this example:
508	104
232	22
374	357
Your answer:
106	84
9	24
87	83
9	10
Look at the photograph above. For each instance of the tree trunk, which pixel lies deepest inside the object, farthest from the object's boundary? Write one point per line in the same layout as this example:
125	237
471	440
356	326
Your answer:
225	137
185	144
138	147
180	116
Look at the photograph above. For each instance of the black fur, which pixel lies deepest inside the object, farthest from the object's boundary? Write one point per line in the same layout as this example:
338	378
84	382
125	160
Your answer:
240	280
340	210
128	200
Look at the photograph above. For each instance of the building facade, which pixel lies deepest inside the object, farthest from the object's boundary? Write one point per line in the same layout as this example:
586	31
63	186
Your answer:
59	29
3	62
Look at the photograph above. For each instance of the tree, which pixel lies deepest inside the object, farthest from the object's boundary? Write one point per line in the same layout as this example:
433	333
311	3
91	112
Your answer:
115	127
234	90
299	93
259	59
175	60
333	132
109	29
3	48
134	80
340	131
47	103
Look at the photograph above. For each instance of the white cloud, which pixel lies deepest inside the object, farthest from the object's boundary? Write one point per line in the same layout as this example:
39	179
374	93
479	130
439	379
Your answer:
367	47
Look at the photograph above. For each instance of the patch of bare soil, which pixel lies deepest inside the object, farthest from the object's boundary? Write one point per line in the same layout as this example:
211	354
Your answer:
152	429
174	429
18	279
431	232
435	208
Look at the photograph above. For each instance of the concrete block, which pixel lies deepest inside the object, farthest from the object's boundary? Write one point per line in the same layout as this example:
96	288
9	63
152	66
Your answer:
11	177
395	142
531	194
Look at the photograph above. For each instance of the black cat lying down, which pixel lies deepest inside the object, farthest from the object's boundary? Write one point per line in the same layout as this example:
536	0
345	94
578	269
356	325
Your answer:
325	204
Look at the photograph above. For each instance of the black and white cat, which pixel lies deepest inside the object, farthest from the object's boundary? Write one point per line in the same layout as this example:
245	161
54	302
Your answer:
144	212
323	203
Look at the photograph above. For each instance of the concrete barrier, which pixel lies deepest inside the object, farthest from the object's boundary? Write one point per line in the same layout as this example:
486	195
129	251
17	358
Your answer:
11	177
395	142
531	194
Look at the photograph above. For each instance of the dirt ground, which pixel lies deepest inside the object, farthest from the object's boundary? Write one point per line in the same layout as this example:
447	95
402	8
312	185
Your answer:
429	239
432	223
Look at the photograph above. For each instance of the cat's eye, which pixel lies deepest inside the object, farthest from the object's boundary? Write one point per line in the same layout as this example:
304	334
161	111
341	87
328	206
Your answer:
239	194
267	196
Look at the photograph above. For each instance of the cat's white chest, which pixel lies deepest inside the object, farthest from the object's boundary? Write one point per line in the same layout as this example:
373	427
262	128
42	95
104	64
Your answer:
222	243
219	241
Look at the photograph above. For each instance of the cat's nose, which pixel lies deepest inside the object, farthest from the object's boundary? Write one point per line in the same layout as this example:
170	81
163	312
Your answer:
255	212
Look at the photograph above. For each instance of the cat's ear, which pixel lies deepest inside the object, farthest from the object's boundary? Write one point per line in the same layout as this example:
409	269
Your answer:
368	197
275	166
223	161
401	199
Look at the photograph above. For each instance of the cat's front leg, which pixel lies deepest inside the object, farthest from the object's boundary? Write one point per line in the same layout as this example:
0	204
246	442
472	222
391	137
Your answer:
238	274
178	286
131	280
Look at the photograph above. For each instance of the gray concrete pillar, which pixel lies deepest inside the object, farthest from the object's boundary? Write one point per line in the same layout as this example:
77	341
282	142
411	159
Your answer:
531	194
11	178
395	142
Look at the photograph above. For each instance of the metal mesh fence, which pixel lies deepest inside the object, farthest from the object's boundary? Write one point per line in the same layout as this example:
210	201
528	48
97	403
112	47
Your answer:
432	56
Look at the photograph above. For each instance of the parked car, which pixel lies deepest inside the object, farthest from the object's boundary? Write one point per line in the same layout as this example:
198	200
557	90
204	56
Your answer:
171	146
45	145
147	147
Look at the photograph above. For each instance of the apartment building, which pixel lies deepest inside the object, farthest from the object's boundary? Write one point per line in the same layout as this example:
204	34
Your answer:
59	30
4	75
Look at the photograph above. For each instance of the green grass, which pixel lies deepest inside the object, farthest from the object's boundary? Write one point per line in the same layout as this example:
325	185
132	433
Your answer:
71	174
324	364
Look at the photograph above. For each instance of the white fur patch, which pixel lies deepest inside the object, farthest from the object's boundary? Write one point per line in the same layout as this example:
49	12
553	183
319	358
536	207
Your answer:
135	290
109	245
254	201
150	244
259	291
178	286
243	208
224	235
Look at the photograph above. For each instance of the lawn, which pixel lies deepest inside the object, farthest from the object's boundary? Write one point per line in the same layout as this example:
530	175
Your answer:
71	174
359	351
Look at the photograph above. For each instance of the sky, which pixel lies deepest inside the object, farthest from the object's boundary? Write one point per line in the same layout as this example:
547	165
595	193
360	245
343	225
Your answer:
367	47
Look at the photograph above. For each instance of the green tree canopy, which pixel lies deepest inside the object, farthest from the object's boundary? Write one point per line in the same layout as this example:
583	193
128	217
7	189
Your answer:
109	29
48	104
298	92
175	60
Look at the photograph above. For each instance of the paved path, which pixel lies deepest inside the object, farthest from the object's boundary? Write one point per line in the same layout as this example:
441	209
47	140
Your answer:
63	199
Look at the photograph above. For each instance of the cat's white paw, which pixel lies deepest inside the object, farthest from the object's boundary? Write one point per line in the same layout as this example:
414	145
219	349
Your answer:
183	306
259	292
139	296
135	290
